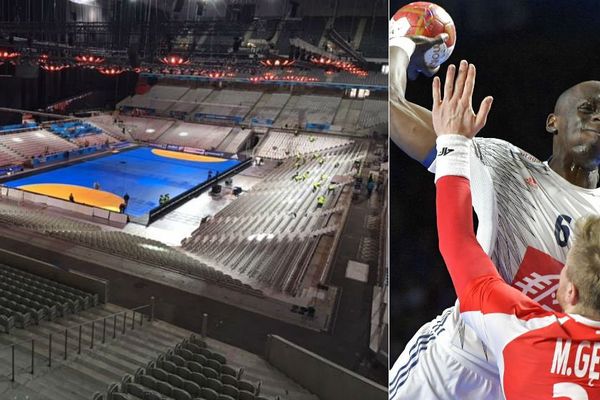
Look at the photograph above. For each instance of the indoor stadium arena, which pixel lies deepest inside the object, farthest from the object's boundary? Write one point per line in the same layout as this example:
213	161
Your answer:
193	199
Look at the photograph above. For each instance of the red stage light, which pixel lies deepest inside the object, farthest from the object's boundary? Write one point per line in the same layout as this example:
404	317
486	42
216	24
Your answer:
8	55
53	67
110	71
174	60
89	59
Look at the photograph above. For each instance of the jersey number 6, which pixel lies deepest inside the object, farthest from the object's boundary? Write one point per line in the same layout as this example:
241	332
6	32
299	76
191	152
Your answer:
562	230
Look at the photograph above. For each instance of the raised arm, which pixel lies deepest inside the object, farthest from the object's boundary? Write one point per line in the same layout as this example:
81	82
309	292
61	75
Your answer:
455	124
411	125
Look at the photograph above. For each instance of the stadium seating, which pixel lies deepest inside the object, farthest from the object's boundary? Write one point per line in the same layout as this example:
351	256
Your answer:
149	252
27	299
278	217
189	102
267	108
145	129
300	111
190	370
35	143
281	145
201	136
374	112
236	138
10	157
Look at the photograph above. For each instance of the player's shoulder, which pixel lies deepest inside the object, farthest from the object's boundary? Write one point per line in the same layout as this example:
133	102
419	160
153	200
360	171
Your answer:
493	150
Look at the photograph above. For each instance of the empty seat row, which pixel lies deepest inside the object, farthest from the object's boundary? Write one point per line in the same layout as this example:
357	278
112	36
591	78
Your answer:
183	373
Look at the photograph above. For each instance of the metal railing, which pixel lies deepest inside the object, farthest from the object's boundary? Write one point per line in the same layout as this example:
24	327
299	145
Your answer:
110	325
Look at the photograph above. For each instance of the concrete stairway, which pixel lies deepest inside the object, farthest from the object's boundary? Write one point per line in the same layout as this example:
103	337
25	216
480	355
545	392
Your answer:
80	376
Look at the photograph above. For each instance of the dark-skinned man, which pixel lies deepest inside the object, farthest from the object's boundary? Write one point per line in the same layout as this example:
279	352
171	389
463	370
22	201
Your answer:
525	209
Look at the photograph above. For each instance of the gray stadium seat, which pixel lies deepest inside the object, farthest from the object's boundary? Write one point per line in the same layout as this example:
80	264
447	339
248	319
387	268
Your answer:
180	394
228	370
192	388
229	380
164	388
210	373
193	366
214	384
247	386
209	394
245	395
199	378
230	390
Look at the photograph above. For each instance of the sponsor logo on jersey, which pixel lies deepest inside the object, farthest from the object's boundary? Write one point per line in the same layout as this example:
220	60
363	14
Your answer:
538	278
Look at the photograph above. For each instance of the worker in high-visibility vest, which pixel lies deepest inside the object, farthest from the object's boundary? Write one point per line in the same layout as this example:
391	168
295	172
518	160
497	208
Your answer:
321	201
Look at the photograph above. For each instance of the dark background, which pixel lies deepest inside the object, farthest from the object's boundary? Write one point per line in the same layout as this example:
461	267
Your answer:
527	53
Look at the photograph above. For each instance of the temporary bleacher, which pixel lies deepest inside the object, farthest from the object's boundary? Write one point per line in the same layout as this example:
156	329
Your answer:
40	221
145	129
234	141
281	145
267	108
84	134
308	111
159	98
35	143
230	105
189	102
374	112
107	123
194	135
268	234
10	157
94	140
124	245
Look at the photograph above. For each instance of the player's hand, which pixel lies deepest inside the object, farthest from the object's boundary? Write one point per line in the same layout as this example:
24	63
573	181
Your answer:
453	113
417	60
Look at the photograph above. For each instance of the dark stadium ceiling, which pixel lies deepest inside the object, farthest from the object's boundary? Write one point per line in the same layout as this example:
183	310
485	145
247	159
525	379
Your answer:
131	33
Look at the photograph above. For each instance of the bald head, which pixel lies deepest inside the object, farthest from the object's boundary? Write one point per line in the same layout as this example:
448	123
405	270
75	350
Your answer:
581	90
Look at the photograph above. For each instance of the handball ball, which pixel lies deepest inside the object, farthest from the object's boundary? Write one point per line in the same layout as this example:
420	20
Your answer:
426	19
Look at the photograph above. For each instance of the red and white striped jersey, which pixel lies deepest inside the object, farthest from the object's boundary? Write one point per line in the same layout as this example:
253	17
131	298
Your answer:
540	354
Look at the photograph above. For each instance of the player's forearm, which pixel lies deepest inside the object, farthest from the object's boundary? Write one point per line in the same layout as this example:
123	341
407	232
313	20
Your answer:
464	257
411	125
411	129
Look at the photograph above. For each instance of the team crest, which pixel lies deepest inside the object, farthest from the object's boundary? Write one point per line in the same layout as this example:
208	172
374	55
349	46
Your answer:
538	278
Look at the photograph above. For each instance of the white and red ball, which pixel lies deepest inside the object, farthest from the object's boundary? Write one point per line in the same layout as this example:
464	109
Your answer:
422	18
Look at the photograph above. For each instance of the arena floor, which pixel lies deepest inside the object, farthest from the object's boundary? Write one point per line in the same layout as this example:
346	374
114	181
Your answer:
143	173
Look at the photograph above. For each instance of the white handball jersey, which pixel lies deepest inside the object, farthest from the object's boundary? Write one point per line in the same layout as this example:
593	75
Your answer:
525	212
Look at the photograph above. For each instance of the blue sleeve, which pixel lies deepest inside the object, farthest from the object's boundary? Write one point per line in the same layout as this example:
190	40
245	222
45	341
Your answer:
429	158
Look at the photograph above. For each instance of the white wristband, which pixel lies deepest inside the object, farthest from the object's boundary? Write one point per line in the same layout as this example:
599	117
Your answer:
452	158
404	43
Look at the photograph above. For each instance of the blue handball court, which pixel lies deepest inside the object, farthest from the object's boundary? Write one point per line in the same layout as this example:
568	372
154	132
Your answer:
143	173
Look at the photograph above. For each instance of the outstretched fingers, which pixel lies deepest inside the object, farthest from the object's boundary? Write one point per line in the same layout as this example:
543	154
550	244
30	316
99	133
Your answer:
484	110
436	94
449	83
460	80
467	96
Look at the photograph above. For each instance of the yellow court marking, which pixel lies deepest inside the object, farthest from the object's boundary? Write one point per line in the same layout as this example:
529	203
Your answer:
81	194
186	156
